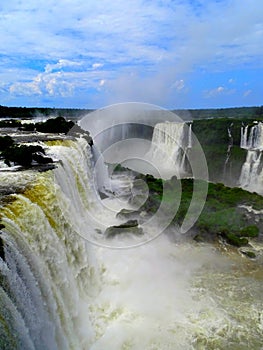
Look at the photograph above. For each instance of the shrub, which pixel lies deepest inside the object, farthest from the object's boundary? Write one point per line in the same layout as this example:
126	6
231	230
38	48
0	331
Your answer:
250	231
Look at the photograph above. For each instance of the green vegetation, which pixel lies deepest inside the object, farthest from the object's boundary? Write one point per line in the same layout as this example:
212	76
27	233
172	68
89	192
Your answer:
215	131
29	113
249	254
250	231
220	141
231	238
237	112
222	215
53	125
32	112
219	137
210	132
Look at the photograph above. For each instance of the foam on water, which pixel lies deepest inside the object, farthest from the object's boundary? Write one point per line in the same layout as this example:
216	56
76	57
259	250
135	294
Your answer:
60	291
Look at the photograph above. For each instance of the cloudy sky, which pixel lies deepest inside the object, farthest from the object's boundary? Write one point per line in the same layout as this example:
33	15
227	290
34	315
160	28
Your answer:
172	53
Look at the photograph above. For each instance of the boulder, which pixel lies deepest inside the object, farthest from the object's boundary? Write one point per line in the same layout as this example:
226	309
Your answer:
128	227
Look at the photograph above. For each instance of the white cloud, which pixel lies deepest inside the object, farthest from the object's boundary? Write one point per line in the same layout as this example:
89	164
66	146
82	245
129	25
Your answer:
145	45
54	81
27	88
145	31
48	83
178	85
97	65
247	93
61	64
220	90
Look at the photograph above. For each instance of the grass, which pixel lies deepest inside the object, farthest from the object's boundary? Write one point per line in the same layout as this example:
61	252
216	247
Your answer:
221	215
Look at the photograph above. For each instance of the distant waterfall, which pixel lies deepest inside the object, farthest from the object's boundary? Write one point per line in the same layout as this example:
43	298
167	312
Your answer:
169	146
228	153
251	177
243	141
252	138
190	137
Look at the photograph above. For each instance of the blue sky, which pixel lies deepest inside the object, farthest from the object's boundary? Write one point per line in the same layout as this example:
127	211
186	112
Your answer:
172	53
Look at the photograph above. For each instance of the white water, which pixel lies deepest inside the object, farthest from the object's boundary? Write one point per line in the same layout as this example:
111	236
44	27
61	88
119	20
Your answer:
58	291
169	146
251	177
228	153
101	173
252	138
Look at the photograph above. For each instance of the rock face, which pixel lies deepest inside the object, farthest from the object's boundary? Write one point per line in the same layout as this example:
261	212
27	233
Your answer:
129	227
76	130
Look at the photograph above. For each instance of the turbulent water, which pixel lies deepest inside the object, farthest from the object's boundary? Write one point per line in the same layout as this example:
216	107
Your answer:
62	288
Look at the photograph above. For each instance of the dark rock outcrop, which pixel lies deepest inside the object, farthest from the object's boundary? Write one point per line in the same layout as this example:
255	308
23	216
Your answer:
129	227
25	154
76	130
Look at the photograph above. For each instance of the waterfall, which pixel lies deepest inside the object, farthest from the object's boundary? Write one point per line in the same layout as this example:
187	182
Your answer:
58	291
251	177
252	138
190	136
169	146
229	148
48	272
101	174
243	142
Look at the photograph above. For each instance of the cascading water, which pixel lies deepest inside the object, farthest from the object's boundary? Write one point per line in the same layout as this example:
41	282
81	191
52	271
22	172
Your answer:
228	153
101	174
190	137
251	177
47	274
59	291
169	146
252	138
243	140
